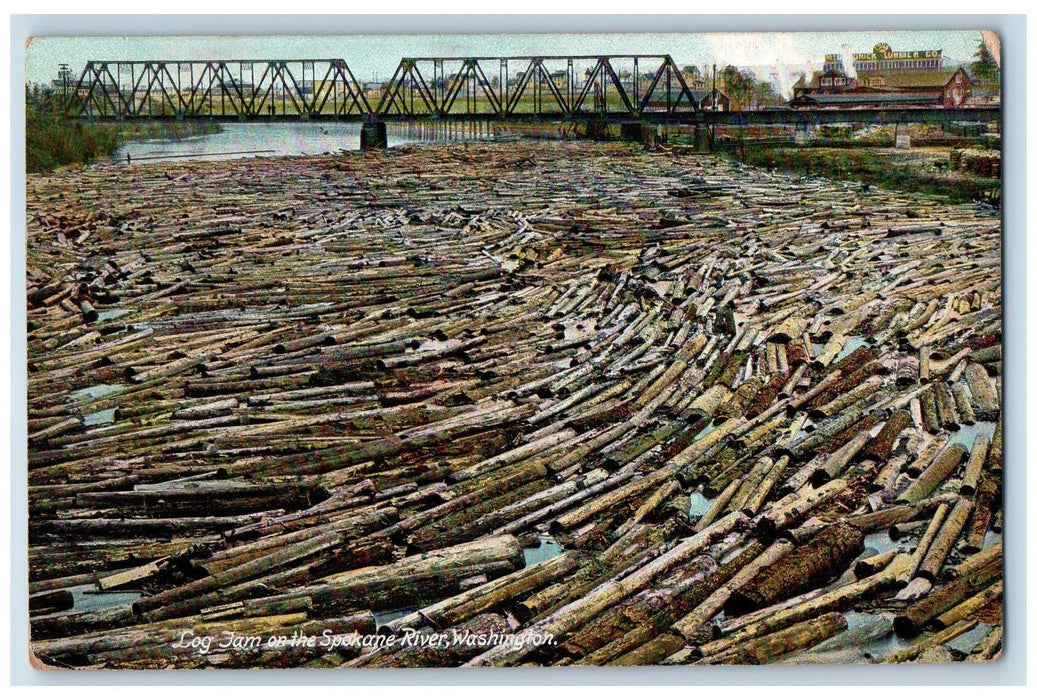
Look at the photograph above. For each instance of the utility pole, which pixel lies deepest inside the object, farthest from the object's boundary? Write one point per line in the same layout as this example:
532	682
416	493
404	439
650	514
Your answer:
713	104
63	74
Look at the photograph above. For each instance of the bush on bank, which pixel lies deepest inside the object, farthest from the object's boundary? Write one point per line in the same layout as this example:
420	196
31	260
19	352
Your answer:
52	140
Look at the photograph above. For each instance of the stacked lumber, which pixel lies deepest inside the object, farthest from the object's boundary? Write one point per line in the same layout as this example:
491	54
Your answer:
981	161
357	394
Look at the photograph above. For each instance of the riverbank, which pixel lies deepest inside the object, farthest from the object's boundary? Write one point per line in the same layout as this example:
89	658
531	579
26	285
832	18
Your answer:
868	155
922	169
572	392
166	130
52	142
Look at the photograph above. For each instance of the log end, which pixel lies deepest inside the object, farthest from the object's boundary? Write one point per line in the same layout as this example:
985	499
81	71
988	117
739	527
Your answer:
817	415
819	478
521	613
739	604
904	626
51	602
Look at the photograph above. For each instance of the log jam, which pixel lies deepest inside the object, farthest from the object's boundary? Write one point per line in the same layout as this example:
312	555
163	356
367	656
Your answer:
557	403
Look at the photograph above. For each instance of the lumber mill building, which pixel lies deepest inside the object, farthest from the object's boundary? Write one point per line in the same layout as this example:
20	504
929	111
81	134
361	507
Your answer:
885	78
882	58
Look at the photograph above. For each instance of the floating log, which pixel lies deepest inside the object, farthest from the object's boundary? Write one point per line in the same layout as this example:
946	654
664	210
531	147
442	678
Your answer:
50	602
945	464
237	574
649	643
907	575
846	646
802	608
969	607
476	600
984	399
974	466
880	447
781	515
995	459
962	404
913	619
834	465
774	646
694	626
828	553
580	611
930	642
930	416
942	544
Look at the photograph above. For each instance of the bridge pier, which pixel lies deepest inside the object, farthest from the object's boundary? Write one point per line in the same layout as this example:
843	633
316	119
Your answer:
702	144
373	135
632	131
901	139
646	134
597	129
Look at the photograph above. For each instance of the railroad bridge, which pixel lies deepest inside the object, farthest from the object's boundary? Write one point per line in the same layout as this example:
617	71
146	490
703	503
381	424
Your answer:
629	89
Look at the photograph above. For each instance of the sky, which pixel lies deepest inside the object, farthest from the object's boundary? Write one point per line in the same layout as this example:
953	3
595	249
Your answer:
778	57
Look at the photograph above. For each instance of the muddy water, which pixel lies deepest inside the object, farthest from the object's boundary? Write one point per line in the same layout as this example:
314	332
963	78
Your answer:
99	418
967	434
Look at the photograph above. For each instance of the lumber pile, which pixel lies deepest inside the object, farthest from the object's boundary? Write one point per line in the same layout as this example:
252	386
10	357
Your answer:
351	397
981	161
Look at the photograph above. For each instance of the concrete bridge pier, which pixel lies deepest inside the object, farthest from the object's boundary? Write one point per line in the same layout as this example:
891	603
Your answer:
373	135
901	139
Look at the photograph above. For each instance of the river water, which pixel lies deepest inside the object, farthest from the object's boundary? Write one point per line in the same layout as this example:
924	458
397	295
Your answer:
250	140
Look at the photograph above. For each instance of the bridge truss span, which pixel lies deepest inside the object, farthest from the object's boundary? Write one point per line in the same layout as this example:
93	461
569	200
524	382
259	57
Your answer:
219	89
537	86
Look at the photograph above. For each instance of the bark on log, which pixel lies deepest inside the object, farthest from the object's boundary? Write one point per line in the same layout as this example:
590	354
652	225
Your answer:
944	542
881	445
945	464
774	646
693	627
580	611
827	554
984	398
914	618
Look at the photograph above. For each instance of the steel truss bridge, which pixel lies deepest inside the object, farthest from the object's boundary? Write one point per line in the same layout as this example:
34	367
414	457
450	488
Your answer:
236	89
615	88
420	89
